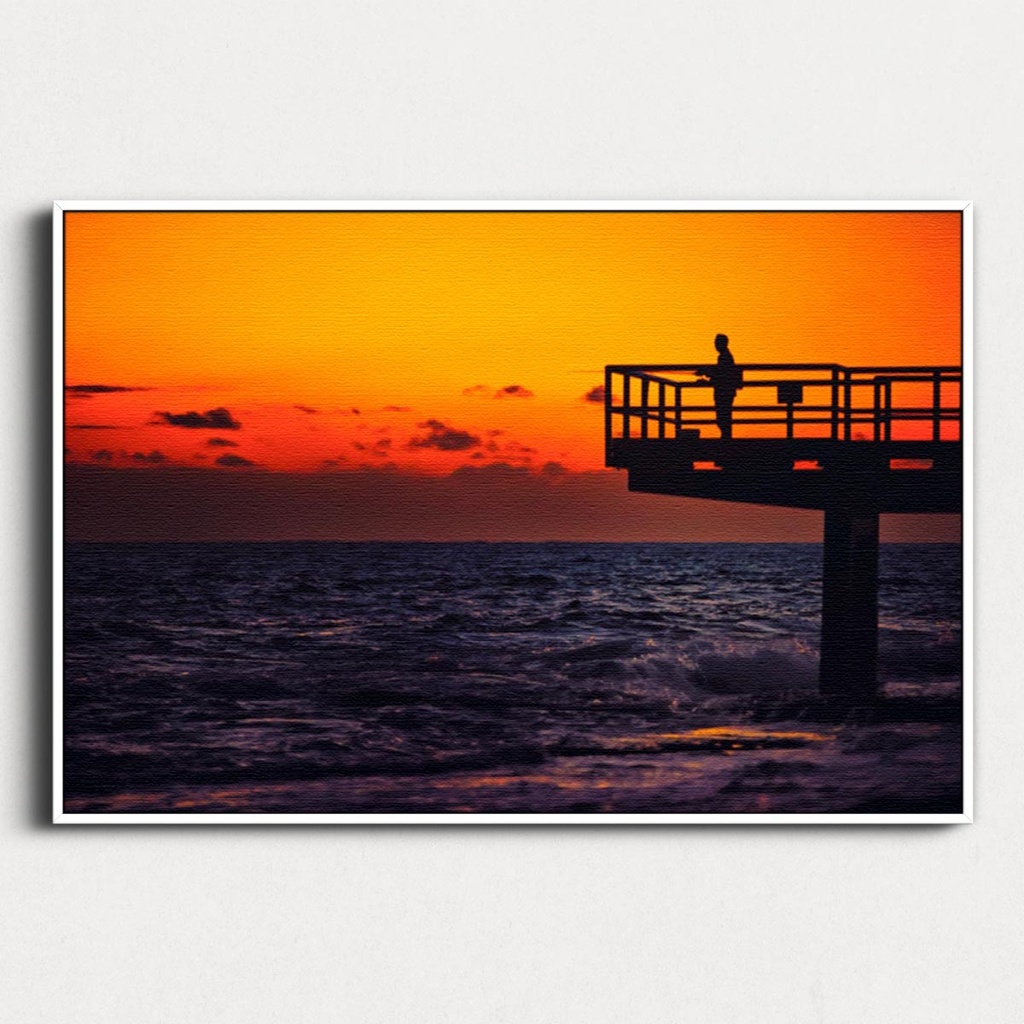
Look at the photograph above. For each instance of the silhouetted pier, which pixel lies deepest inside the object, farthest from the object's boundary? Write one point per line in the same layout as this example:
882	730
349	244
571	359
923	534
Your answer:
852	441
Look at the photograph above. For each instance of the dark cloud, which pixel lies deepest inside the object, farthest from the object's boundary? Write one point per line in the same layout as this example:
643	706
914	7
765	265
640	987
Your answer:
380	447
511	451
91	426
221	442
153	458
212	419
234	460
99	389
493	503
397	408
444	438
306	409
595	395
509	391
102	455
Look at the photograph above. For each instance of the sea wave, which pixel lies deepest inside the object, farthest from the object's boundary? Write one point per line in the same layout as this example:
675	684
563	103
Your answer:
469	677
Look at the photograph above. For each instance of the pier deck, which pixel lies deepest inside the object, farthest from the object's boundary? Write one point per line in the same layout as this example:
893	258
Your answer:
852	441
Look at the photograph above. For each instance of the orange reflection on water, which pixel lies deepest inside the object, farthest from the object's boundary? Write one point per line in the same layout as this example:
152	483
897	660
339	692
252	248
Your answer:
719	738
748	732
497	781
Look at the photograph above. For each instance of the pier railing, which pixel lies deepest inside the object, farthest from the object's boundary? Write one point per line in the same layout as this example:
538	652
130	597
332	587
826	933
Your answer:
788	400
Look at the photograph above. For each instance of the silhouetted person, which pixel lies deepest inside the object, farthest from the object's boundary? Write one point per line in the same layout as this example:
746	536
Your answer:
726	380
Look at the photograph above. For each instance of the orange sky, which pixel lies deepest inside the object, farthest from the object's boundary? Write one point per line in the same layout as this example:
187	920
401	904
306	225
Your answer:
429	341
260	313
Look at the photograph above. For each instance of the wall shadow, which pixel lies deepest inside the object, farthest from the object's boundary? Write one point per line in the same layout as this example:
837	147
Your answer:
39	582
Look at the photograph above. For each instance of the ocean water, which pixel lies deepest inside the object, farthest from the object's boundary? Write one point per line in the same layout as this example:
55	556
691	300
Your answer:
654	678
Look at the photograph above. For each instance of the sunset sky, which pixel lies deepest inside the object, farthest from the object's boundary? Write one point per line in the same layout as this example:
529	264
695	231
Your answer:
206	347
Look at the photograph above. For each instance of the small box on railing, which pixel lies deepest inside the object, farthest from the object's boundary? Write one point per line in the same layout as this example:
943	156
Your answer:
791	394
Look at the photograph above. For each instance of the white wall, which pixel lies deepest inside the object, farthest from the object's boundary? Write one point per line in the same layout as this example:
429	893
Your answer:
562	99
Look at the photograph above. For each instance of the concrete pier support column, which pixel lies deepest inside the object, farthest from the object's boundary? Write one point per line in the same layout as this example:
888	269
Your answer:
849	607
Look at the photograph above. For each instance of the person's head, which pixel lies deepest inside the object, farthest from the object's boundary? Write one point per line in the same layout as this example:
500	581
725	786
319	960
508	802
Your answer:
721	342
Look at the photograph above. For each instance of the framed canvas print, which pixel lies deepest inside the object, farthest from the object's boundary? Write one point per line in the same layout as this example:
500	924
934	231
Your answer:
512	512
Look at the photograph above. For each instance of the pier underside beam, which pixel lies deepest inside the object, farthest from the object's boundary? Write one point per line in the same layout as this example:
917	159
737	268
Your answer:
849	608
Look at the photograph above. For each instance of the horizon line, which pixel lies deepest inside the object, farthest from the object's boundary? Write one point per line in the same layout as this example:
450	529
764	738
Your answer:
619	543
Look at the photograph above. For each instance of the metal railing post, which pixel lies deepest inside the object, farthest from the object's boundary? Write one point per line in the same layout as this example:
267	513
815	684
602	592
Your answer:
607	408
835	405
847	425
645	388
